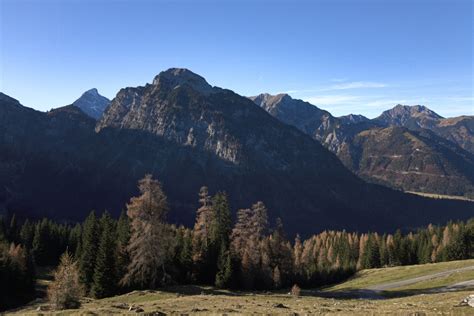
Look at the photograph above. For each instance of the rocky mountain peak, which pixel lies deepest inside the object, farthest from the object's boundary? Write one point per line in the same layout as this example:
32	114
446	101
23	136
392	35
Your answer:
92	91
412	110
414	116
269	100
92	103
175	77
353	119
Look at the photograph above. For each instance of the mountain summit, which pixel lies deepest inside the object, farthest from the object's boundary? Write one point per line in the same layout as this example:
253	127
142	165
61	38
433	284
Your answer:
414	116
92	103
176	77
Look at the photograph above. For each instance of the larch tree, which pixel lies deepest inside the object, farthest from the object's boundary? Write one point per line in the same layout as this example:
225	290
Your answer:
151	238
201	236
66	289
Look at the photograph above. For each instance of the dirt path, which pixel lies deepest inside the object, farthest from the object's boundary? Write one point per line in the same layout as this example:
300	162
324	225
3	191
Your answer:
457	286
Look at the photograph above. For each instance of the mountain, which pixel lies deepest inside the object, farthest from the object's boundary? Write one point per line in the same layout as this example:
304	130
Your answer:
187	134
304	116
92	103
459	130
353	119
309	119
412	117
412	158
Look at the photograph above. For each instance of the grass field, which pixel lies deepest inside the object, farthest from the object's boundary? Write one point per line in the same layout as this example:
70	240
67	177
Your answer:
188	300
371	277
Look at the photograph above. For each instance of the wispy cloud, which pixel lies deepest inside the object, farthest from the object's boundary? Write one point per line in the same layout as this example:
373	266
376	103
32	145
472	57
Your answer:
342	84
331	99
339	79
357	85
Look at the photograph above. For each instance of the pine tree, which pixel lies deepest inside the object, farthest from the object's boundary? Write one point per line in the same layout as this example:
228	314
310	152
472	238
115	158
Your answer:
150	240
185	255
371	257
42	243
74	240
105	273
219	243
123	238
224	268
27	233
14	230
89	248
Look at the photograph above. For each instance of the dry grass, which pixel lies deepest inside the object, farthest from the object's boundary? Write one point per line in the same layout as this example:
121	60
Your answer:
370	277
265	304
190	300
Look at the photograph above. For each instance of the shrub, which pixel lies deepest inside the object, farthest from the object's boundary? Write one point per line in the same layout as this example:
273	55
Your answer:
295	290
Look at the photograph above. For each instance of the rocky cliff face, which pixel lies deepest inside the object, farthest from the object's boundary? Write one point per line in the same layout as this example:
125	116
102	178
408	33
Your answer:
92	103
311	120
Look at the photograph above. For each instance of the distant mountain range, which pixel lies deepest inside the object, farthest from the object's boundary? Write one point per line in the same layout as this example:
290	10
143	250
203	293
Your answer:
408	147
63	163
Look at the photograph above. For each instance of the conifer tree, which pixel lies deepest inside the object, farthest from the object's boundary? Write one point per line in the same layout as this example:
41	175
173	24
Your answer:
276	278
150	240
42	243
185	255
298	252
220	230
74	240
89	247
224	268
371	257
123	238
66	290
27	233
201	238
105	273
14	230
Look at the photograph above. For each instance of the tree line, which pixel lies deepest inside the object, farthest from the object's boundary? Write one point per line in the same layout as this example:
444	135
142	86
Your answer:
141	250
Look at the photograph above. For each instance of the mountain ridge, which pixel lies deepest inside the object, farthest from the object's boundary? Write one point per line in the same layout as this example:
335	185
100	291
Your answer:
344	137
187	137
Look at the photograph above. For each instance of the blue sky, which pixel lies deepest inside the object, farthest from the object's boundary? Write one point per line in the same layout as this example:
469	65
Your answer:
344	56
